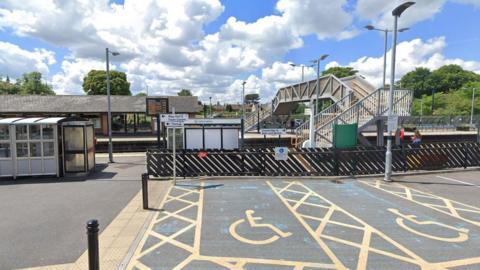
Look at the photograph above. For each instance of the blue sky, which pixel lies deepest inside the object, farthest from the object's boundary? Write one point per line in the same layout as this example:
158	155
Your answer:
213	53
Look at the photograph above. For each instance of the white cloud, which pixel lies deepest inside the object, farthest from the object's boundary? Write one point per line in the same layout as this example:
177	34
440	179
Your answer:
162	44
69	81
324	18
410	54
14	61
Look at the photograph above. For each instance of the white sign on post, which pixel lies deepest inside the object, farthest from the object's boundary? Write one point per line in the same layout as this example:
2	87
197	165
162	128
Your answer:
173	120
281	153
392	123
274	131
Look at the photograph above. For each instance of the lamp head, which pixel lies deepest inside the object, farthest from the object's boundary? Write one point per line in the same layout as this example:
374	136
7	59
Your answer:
397	12
244	83
369	27
323	57
115	53
293	65
403	29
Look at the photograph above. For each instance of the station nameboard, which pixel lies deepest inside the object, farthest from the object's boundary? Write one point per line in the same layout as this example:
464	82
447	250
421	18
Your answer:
273	131
156	106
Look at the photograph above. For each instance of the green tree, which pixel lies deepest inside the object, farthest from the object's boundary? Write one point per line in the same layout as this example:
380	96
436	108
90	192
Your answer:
228	108
31	84
418	80
141	94
185	93
95	83
452	77
252	99
7	88
340	72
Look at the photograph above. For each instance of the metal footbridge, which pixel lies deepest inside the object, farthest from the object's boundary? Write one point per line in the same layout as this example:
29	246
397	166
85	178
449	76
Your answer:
354	101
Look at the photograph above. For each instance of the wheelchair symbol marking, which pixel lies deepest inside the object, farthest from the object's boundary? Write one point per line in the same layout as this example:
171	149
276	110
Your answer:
252	221
462	233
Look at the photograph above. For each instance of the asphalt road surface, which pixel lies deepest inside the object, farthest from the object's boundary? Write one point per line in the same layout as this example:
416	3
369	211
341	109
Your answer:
43	221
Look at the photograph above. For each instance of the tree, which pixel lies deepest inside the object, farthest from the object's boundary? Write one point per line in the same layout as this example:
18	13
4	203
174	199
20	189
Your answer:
7	88
141	94
252	99
452	77
95	83
340	72
184	93
228	108
31	84
418	80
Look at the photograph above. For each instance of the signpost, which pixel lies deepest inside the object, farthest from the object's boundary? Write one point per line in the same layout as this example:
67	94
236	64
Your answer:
174	121
392	124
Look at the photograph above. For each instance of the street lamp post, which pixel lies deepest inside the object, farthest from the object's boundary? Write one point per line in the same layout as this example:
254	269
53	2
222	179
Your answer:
109	114
211	113
385	31
243	100
397	12
317	61
473	107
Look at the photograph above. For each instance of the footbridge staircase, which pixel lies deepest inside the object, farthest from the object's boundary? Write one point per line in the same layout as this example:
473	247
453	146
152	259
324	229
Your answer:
330	88
354	101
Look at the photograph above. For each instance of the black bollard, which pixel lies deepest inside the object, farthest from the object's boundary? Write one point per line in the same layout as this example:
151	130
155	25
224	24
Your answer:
145	190
93	255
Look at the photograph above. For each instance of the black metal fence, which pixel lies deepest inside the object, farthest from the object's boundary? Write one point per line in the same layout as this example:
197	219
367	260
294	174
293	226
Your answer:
312	162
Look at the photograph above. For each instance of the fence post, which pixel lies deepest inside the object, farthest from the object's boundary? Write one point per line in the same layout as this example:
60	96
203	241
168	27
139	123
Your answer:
335	161
404	156
183	163
465	155
145	190
92	234
263	162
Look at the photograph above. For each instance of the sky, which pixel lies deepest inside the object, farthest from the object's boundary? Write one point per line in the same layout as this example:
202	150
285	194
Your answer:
212	46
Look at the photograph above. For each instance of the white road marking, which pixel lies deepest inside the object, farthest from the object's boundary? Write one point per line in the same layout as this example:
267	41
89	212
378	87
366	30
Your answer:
455	180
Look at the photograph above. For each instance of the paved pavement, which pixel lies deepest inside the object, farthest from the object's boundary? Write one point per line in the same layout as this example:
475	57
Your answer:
43	221
315	224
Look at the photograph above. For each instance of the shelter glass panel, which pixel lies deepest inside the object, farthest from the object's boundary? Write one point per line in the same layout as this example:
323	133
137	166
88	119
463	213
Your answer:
22	149
5	150
48	149
4	132
118	123
47	132
35	149
34	132
21	131
144	123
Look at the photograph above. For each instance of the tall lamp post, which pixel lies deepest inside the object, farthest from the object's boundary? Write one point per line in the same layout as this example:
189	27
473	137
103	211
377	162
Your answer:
317	61
473	107
397	12
371	27
109	114
211	113
243	100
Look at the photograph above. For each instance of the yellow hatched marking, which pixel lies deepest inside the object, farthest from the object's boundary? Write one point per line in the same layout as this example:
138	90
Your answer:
444	205
368	231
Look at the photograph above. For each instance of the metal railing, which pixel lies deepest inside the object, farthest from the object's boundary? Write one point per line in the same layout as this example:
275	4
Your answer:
440	123
364	111
256	117
302	132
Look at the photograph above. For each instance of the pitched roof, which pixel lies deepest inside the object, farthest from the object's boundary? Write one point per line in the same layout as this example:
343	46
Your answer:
88	104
